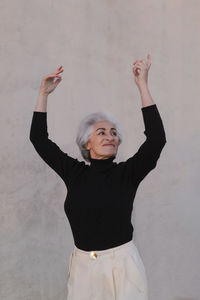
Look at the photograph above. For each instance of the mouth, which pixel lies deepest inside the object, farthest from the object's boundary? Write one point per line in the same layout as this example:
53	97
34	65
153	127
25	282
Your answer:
109	145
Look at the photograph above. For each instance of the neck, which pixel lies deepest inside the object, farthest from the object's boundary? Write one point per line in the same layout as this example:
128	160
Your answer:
101	164
103	158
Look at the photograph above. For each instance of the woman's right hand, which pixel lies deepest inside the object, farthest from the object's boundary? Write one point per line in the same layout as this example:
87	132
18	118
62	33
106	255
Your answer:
48	84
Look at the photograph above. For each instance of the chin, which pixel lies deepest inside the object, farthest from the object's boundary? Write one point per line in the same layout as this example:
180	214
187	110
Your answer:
110	153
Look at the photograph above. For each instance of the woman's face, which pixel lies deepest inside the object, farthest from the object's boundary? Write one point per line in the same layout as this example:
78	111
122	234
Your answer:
103	141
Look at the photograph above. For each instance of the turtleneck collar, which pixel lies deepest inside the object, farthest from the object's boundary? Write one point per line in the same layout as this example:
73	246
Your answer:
101	164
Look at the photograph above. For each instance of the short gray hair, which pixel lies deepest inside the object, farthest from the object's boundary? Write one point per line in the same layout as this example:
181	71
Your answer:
85	129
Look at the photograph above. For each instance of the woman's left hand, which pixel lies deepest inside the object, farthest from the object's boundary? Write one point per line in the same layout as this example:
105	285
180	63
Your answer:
140	70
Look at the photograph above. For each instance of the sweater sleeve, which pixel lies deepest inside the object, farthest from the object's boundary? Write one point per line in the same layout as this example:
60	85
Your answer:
49	151
145	159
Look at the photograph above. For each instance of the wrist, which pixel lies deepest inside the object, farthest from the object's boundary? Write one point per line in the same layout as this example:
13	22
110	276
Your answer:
43	94
143	86
42	97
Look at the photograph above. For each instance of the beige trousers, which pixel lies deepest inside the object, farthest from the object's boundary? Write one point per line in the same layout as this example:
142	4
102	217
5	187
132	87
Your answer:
113	274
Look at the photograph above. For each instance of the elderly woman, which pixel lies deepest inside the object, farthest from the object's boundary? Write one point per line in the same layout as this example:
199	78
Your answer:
105	263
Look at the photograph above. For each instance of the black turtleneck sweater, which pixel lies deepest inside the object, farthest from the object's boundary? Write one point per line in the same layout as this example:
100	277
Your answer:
100	196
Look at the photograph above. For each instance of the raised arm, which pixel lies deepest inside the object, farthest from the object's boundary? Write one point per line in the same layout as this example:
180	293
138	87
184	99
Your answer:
60	162
145	159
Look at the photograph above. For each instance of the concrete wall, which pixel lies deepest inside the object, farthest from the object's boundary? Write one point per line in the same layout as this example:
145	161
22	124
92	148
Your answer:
96	43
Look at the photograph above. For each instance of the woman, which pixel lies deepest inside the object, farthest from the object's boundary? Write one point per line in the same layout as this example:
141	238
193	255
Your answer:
105	263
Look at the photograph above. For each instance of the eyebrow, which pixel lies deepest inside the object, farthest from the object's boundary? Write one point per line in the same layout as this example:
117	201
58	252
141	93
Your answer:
105	129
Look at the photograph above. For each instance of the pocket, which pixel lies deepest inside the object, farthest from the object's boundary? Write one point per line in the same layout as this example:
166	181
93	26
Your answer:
138	261
134	275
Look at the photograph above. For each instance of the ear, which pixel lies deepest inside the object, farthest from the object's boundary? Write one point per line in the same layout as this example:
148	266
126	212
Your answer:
87	146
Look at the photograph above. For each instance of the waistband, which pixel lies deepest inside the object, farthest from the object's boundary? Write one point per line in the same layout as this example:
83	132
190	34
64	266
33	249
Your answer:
101	253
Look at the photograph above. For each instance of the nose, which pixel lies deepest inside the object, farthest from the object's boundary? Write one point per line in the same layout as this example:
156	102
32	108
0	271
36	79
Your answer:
110	137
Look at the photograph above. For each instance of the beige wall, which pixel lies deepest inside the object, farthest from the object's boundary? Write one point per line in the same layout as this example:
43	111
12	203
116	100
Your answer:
96	43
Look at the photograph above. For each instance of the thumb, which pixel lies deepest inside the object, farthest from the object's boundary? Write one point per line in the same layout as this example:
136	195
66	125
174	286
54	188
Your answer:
57	81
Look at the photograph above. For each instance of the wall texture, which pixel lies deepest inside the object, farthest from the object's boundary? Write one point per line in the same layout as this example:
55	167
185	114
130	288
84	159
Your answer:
96	43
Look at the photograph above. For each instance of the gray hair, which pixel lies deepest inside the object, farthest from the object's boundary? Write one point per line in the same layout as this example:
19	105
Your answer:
85	129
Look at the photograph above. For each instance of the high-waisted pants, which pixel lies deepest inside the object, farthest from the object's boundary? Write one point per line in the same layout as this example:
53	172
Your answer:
113	274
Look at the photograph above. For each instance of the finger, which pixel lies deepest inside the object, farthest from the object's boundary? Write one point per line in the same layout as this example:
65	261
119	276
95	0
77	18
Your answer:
144	62
136	70
54	75
51	76
58	69
149	59
140	65
57	72
57	81
137	67
138	60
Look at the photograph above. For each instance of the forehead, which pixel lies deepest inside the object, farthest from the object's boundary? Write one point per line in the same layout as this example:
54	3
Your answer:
103	124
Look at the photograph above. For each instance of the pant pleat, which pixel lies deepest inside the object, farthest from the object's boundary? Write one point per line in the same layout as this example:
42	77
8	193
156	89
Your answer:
115	274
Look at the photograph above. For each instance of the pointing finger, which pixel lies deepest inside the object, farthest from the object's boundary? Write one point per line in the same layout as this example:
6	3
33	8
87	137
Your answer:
148	59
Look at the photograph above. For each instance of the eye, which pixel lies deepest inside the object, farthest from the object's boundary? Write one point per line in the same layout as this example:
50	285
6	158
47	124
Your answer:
113	133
